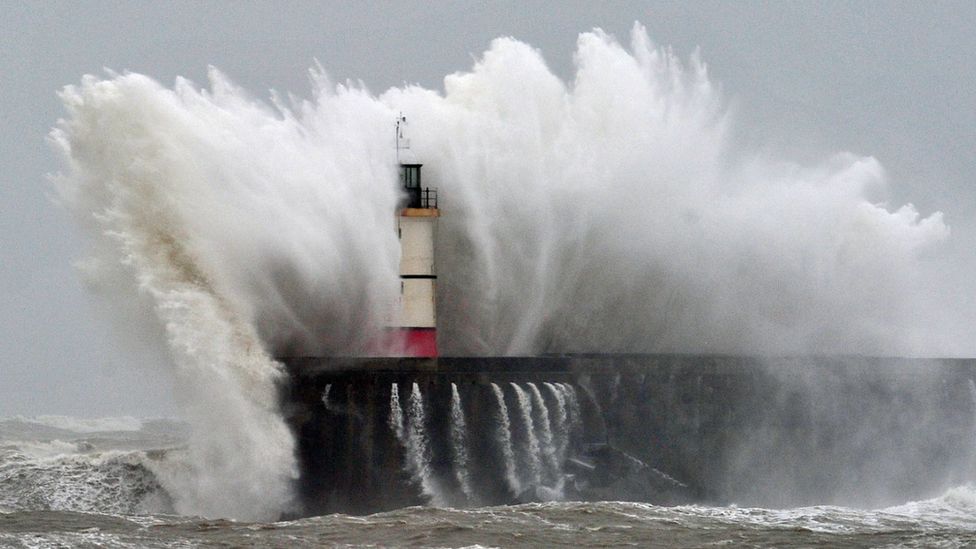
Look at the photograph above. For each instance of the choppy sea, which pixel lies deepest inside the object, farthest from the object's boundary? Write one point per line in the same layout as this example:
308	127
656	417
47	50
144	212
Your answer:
68	482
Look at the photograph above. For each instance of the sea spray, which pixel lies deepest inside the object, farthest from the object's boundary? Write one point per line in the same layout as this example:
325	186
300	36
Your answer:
504	438
459	444
240	461
235	230
290	218
713	247
530	442
123	141
216	239
544	426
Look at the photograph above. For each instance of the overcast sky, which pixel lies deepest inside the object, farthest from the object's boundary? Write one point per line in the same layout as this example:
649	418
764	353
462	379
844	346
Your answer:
893	80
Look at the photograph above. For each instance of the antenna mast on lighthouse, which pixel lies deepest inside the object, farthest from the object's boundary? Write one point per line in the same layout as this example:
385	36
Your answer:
401	143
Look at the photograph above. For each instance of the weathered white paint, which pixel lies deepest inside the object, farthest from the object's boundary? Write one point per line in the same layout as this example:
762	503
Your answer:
417	245
417	308
417	304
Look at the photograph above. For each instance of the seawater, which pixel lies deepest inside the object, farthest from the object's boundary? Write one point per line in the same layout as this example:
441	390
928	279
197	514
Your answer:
68	482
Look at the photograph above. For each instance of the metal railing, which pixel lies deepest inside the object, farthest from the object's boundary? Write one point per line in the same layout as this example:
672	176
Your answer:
421	198
428	198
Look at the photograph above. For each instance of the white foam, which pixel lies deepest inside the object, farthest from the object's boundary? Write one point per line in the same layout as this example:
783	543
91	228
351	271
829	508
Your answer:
52	476
956	507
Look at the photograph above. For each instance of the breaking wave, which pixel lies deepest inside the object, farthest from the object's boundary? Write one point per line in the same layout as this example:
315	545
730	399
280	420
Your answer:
607	214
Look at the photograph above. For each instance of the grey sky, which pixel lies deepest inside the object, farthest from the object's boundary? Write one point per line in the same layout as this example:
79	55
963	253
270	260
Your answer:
892	80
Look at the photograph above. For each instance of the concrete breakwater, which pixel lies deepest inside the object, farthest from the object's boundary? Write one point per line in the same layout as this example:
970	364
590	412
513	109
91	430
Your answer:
382	433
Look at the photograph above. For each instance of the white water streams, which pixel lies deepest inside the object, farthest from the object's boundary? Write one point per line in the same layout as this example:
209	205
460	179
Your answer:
418	448
411	432
546	443
532	451
396	414
459	444
572	407
530	442
330	405
325	395
504	434
560	425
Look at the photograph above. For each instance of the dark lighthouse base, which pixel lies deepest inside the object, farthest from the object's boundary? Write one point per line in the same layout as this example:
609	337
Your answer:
376	434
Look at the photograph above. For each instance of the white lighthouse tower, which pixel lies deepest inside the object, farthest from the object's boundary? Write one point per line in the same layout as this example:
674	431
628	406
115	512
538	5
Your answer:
415	319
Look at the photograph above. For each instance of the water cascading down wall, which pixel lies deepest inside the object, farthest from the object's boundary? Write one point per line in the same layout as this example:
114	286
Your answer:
377	434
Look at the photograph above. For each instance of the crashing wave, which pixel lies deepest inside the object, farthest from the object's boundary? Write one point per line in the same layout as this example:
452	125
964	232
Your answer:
611	213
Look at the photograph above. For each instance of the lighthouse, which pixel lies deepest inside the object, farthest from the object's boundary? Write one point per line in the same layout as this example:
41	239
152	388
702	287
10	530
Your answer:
415	319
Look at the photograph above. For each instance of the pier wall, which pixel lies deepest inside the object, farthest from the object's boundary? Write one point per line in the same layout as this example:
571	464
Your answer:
658	428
